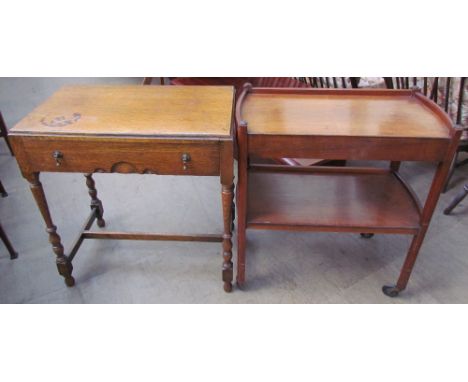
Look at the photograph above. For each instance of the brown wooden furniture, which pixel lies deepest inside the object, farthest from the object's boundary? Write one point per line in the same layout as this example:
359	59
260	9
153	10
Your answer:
389	125
4	133
129	129
3	235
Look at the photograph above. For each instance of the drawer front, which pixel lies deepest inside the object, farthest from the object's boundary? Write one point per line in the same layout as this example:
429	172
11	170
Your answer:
143	156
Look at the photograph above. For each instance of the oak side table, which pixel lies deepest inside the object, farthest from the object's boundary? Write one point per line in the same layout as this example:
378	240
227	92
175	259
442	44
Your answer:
164	130
350	124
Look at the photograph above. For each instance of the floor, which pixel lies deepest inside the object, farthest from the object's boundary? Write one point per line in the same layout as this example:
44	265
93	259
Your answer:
282	267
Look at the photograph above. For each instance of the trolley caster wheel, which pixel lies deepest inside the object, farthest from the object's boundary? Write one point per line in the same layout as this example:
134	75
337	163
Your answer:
14	255
70	281
367	235
390	291
4	194
228	287
101	223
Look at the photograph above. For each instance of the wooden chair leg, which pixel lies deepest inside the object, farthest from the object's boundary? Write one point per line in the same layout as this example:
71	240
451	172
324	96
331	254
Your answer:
388	82
95	202
3	192
355	82
6	241
457	200
4	133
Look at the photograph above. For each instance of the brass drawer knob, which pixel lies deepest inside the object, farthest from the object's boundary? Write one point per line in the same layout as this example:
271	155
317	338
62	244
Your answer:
185	159
58	156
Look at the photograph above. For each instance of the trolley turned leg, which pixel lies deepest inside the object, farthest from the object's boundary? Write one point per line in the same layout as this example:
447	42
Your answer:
241	240
405	273
95	202
241	194
64	265
437	185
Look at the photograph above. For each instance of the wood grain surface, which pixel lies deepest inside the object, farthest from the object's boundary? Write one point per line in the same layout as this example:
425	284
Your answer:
355	201
133	110
377	114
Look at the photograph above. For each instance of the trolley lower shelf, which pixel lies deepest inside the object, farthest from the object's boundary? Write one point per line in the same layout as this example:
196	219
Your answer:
331	199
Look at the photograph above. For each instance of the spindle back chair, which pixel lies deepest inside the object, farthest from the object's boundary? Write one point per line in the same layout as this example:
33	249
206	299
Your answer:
449	93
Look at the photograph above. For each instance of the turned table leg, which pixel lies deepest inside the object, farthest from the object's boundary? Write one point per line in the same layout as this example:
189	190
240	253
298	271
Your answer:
95	202
64	265
227	196
227	199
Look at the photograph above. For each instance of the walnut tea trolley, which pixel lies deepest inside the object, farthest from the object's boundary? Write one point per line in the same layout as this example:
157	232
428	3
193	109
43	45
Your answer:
129	129
388	125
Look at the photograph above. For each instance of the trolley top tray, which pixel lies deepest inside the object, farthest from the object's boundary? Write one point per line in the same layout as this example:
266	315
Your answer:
186	111
343	112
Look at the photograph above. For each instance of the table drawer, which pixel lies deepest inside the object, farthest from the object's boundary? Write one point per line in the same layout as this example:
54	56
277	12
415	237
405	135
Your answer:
114	155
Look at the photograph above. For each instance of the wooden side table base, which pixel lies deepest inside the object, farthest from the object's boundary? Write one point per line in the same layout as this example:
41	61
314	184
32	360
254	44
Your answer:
64	263
129	130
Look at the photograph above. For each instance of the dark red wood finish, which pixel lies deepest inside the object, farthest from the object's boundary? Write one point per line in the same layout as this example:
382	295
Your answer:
362	200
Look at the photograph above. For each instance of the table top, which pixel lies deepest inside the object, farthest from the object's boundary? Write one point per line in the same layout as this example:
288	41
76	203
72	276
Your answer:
367	113
186	111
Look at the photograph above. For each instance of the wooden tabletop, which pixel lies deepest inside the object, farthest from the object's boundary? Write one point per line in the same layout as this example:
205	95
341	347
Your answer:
366	113
133	111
